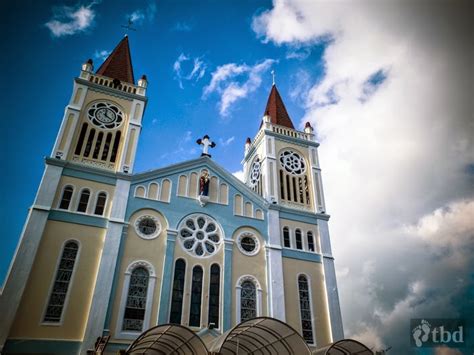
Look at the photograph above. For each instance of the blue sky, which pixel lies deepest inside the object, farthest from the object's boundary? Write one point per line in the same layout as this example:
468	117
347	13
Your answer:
383	83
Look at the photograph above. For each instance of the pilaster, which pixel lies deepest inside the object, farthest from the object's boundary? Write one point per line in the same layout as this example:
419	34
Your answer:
166	284
227	312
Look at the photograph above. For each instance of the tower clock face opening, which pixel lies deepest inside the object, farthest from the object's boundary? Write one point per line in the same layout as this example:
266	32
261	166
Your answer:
105	115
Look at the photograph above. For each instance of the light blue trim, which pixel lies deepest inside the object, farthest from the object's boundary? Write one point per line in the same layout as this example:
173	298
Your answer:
69	217
108	316
89	176
301	255
166	288
33	346
228	287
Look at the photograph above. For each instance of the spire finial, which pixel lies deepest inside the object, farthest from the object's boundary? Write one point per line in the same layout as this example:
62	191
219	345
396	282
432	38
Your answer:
273	76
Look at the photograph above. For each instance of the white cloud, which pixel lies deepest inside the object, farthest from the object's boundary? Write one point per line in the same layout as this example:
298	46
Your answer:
195	74
225	143
225	81
139	16
182	27
239	175
392	152
68	20
102	55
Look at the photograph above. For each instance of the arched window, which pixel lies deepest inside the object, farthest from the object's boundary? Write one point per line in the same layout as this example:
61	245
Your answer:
90	139
305	309
214	290
293	178
62	279
196	292
286	237
98	144
80	141
66	198
298	240
178	291
135	307
100	205
309	236
115	147
83	201
105	152
248	301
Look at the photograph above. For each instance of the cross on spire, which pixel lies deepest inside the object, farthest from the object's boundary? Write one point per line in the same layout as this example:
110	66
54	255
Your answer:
273	77
128	26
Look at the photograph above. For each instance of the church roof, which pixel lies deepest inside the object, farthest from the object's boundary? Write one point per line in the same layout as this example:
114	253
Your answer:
276	110
118	64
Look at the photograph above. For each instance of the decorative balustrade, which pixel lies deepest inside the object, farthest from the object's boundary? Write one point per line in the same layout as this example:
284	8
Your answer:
125	87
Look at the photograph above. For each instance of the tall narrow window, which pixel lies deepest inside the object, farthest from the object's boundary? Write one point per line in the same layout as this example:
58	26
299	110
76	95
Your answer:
136	300
178	290
309	235
286	238
248	301
100	205
66	198
80	141
299	241
214	288
105	152
98	144
196	292
115	147
305	309
282	185
90	139
83	201
61	283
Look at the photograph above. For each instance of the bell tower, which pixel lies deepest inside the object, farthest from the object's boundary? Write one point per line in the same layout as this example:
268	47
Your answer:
281	164
102	120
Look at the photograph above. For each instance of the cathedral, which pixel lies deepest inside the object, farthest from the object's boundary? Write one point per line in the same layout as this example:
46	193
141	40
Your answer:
186	252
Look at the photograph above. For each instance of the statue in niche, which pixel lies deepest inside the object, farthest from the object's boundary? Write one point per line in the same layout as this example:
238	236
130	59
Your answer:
204	183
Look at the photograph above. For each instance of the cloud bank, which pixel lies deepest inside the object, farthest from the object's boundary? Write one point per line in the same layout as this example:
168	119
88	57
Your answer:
393	114
69	20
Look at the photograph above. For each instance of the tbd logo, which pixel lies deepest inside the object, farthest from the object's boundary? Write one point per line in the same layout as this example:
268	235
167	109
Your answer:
437	332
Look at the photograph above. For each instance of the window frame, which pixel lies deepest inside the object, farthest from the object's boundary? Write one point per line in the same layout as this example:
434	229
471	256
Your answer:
238	290
78	202
62	196
310	296
97	200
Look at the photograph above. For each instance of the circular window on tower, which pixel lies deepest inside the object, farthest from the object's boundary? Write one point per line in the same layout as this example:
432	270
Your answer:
105	115
248	243
292	162
200	235
254	173
147	227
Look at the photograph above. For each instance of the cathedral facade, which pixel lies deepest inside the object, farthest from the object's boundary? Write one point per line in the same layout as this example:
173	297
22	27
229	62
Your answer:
106	251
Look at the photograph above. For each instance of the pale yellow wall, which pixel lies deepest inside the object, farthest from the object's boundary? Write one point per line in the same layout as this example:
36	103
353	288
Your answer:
304	228
205	263
28	319
137	248
78	184
291	269
254	265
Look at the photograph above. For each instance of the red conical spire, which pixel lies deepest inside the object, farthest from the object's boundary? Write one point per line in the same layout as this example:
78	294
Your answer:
276	110
118	64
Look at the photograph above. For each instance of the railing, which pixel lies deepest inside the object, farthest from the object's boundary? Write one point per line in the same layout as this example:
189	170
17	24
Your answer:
105	81
292	132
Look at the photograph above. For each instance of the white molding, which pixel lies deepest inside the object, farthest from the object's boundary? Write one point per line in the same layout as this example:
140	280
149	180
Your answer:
151	236
126	334
247	233
51	286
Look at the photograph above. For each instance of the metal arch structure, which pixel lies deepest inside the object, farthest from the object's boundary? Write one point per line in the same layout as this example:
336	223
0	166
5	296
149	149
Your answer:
344	347
260	336
168	339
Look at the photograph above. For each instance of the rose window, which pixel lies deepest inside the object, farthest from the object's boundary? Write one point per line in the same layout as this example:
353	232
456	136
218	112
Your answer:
292	162
147	227
248	243
105	115
200	235
254	175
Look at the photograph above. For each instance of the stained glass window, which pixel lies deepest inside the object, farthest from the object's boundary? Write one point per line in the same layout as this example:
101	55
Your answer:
178	290
214	288
66	199
136	300
299	241
61	283
100	205
196	292
83	201
309	235
286	238
305	309
248	301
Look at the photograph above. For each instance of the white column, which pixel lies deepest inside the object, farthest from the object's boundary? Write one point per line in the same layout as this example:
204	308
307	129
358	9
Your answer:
25	254
108	261
276	289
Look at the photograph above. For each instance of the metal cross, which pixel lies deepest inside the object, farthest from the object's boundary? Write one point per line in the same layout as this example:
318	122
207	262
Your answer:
273	76
129	25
